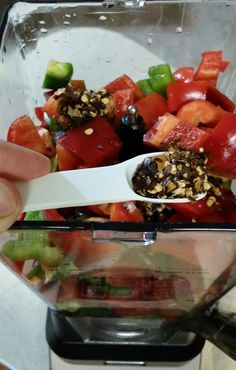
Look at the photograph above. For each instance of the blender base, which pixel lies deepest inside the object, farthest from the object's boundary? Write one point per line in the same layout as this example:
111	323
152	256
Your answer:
57	363
68	347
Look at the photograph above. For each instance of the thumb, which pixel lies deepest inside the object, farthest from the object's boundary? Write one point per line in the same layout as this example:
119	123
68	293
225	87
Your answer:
10	204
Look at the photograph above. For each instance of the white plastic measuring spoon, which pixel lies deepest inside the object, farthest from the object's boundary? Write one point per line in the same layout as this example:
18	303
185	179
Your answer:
88	186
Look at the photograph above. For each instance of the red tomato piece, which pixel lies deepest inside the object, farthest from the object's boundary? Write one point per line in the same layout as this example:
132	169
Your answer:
158	133
126	211
221	146
102	210
51	107
216	97
39	113
184	74
24	132
210	67
77	84
200	112
66	159
52	215
151	107
179	93
186	136
122	83
94	143
122	100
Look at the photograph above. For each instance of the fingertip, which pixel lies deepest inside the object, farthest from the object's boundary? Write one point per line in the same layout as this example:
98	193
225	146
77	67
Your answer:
10	204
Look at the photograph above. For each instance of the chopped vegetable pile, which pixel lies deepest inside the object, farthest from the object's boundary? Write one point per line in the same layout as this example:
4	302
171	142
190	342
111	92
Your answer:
181	111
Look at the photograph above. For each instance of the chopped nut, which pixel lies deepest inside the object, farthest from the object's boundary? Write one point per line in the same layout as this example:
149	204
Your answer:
89	131
158	188
210	201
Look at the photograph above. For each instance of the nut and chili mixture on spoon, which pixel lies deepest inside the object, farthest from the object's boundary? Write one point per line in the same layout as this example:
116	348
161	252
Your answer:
176	174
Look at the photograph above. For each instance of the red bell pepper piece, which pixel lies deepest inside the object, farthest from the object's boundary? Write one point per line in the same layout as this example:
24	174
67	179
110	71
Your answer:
179	93
151	107
126	211
66	159
124	82
193	210
200	112
184	74
221	146
216	97
94	143
210	67
24	132
122	100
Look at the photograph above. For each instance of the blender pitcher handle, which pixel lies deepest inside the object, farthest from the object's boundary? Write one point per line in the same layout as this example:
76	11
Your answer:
220	329
217	327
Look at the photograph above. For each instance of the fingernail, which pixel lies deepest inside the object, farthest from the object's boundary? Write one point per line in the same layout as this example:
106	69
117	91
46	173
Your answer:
7	201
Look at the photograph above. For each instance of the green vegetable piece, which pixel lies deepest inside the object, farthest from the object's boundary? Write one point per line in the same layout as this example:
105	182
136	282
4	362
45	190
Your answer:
160	77
102	286
58	75
22	250
34	216
145	86
54	164
36	272
65	268
53	125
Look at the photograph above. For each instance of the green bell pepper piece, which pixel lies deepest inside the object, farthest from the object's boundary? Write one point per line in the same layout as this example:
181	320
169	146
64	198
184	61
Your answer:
145	86
22	250
160	77
34	216
58	75
102	286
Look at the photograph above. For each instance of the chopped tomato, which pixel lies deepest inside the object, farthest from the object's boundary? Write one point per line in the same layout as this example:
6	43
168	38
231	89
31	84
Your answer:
126	211
24	132
179	93
169	130
200	112
39	113
158	133
77	84
184	74
186	136
66	159
151	107
52	215
221	146
102	210
216	97
210	67
93	143
51	107
124	82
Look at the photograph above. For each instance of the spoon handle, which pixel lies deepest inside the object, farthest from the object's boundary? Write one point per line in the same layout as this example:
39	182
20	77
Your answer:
76	188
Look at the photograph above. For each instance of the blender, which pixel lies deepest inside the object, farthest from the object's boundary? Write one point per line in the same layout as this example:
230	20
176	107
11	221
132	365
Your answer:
126	294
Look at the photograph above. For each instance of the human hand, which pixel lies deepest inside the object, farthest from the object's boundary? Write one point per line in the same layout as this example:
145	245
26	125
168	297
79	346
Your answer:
16	164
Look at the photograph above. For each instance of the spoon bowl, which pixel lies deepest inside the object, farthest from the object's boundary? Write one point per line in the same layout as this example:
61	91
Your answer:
89	186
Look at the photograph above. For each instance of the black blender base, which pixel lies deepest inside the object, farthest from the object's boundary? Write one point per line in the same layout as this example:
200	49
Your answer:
66	343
